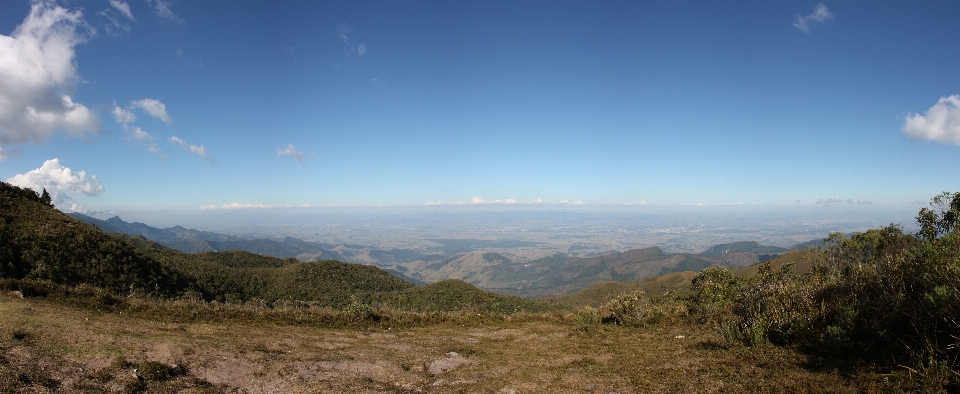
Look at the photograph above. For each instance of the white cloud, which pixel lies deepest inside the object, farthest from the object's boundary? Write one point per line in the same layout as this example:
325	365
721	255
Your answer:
162	9
830	201
820	14
578	202
120	9
37	74
510	201
291	151
235	205
58	180
137	134
477	200
123	116
941	122
863	201
153	107
123	7
197	150
361	49
564	201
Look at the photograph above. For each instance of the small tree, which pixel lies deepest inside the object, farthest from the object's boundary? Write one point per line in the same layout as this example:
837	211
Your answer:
45	198
942	217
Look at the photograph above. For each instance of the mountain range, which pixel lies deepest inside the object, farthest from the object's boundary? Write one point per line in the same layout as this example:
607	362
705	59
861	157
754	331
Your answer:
473	261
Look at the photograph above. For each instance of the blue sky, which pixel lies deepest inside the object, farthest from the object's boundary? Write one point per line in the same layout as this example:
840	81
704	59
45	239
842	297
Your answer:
219	105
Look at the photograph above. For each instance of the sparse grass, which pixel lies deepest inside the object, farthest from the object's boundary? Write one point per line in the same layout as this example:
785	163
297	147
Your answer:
77	348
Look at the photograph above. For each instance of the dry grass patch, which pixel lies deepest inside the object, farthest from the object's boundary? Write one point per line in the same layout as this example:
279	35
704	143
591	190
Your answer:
47	347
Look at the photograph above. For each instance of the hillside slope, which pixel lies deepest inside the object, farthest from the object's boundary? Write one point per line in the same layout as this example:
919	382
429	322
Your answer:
44	245
679	282
196	241
562	274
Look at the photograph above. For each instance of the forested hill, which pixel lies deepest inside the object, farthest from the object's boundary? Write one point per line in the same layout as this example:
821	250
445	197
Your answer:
43	246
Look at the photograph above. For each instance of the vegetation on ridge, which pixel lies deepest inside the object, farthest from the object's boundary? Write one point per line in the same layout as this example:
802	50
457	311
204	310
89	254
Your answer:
45	250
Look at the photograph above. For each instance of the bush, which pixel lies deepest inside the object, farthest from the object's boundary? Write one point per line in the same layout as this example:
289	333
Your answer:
713	290
627	309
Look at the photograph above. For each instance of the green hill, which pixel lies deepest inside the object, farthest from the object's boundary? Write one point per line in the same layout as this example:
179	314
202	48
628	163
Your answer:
44	245
561	274
41	243
743	246
678	282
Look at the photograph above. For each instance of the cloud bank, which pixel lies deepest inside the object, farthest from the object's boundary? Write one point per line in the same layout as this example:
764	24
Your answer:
941	123
58	180
820	14
37	72
235	205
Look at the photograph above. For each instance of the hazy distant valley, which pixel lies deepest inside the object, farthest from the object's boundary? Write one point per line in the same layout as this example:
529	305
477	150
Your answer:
519	253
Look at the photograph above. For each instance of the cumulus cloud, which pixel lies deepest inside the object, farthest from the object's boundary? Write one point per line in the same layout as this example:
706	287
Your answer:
564	201
477	200
197	150
153	107
941	123
37	74
293	152
162	9
123	116
820	14
578	202
58	180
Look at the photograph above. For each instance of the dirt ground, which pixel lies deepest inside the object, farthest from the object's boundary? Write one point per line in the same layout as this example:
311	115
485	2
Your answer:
46	347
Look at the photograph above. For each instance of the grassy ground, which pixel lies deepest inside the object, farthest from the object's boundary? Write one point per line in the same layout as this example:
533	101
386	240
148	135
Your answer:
49	347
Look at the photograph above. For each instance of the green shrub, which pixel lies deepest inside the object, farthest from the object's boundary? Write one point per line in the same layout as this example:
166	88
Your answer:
627	309
713	290
587	318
